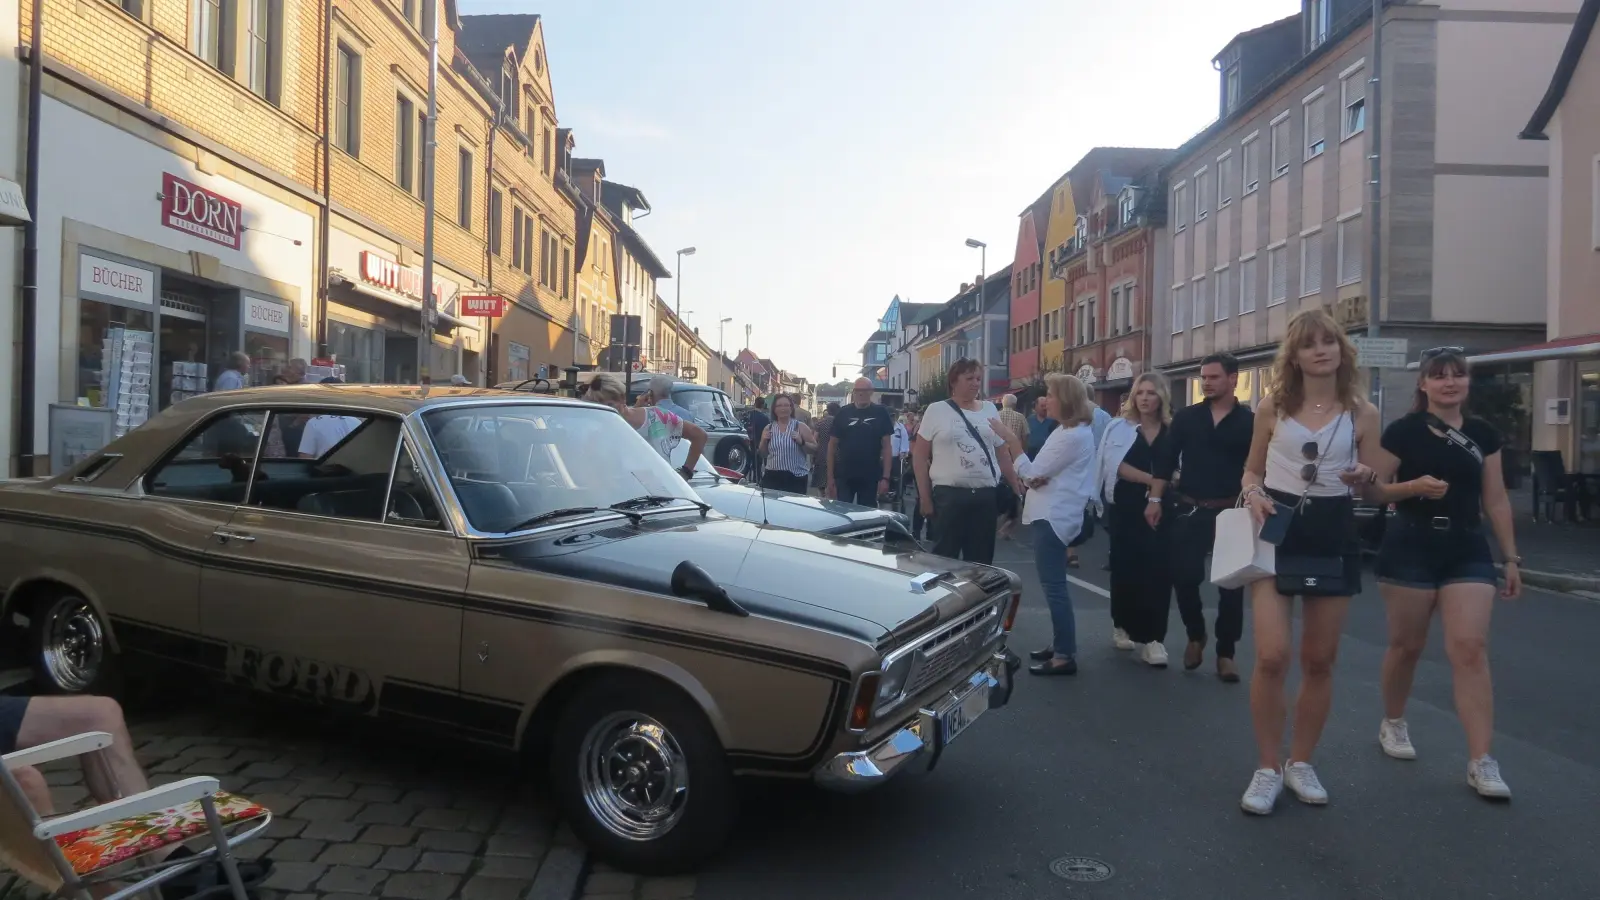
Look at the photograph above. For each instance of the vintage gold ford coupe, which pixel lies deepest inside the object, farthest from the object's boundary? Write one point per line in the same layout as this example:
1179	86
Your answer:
516	569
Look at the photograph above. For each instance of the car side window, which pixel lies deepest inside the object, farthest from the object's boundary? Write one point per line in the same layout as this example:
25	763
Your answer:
410	501
339	466
214	463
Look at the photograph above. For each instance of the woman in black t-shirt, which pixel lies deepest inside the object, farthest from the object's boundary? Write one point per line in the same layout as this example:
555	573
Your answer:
1446	471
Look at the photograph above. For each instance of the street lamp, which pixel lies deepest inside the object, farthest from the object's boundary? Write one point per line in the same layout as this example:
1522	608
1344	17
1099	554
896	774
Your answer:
687	251
722	357
983	265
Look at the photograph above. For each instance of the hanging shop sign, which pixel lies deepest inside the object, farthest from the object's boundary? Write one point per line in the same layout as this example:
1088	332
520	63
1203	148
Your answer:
13	206
386	273
491	306
187	206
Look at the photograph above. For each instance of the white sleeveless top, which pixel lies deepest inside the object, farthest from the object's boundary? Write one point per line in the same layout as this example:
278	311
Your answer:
1286	459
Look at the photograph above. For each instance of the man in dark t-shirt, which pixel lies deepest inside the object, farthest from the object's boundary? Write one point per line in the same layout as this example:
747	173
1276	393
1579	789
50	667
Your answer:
754	425
859	453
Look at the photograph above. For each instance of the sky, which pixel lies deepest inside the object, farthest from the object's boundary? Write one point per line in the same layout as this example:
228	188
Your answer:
824	157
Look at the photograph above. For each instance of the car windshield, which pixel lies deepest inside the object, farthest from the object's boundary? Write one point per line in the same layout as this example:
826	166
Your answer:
513	463
709	406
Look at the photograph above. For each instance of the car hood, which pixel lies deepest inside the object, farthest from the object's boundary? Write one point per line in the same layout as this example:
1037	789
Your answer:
786	510
844	586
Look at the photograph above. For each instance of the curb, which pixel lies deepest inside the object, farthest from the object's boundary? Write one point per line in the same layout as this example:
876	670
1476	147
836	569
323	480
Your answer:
1558	581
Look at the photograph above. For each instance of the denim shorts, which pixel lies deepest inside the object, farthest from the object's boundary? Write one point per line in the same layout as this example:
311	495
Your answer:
12	709
1415	555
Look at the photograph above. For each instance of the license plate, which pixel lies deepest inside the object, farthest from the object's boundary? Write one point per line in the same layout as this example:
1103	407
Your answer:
964	713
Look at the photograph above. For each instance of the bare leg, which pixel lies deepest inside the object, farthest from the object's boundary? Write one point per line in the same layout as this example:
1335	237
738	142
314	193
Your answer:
1323	620
1410	614
35	788
1466	610
1270	612
53	718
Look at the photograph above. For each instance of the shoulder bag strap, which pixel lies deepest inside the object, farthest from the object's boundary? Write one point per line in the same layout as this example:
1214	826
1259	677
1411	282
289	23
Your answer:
1454	436
982	444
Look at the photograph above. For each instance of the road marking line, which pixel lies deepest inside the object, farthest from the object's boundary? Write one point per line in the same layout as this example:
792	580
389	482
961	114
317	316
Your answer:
1094	588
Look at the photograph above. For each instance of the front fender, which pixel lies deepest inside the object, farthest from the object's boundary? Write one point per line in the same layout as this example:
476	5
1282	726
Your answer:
58	578
654	665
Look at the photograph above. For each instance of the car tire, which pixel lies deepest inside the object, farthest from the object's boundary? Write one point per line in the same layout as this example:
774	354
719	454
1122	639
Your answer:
732	453
69	645
625	814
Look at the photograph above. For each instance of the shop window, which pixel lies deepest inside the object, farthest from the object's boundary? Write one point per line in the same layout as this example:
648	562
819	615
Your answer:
347	101
266	49
495	226
464	189
358	349
406	137
116	352
339	468
212	40
214	465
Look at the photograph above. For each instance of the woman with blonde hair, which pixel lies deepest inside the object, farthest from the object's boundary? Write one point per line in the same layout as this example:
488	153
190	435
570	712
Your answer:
660	428
1061	483
1141	586
1312	433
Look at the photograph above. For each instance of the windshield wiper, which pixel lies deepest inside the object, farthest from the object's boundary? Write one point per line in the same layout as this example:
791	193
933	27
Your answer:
648	500
570	511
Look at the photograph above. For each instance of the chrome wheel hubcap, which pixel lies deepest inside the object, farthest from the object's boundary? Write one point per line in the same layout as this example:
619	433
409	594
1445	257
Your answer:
736	459
634	776
73	644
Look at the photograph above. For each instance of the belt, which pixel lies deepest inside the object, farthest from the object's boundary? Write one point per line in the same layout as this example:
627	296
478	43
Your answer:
1438	523
1225	503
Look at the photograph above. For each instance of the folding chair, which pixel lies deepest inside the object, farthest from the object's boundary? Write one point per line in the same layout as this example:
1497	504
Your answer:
72	853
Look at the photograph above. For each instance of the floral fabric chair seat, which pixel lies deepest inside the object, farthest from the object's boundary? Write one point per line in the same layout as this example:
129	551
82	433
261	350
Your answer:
93	849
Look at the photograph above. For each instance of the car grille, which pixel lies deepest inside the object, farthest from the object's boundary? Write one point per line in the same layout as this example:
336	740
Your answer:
948	649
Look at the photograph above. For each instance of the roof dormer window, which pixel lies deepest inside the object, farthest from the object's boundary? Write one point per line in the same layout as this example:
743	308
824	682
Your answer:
1081	234
1126	203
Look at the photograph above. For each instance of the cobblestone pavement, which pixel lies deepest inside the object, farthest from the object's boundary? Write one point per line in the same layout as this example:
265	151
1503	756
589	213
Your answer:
362	811
606	883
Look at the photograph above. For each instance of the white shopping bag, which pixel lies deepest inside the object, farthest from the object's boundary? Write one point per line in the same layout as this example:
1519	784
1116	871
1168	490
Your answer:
1238	557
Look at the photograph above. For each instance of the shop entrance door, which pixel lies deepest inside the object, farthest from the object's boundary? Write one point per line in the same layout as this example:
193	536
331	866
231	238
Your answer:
183	349
400	359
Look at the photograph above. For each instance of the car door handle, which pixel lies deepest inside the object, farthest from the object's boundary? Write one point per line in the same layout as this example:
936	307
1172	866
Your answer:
223	536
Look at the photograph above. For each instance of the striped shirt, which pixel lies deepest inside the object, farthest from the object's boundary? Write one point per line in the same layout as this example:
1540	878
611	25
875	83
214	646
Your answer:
784	453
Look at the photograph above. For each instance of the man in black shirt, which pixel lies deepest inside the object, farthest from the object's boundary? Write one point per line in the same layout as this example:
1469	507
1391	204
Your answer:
754	425
1209	442
859	452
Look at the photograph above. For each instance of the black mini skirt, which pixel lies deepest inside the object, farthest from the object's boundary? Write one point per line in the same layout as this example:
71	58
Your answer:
1323	527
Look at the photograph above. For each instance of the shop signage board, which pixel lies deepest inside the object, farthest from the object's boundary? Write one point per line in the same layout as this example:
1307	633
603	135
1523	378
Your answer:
1121	368
117	280
487	305
187	206
1382	353
13	204
266	315
387	273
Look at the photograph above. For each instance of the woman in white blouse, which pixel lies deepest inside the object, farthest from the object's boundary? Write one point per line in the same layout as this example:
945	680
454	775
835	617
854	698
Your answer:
1062	482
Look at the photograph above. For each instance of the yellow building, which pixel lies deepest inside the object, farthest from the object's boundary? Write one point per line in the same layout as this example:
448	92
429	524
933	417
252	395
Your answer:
598	261
1062	226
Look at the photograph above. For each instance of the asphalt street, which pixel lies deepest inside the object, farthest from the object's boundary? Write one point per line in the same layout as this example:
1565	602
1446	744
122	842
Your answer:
1142	770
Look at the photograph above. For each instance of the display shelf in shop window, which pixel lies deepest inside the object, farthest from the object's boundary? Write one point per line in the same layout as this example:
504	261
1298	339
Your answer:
189	379
127	364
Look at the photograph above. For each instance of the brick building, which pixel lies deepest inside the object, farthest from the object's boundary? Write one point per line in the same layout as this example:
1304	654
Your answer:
218	177
1025	326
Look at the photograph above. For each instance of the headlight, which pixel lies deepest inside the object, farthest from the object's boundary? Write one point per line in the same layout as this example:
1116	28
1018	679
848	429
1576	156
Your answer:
892	682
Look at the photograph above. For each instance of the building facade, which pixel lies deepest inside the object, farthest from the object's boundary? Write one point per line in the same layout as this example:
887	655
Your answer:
1061	218
1566	391
1024	328
1267	207
641	268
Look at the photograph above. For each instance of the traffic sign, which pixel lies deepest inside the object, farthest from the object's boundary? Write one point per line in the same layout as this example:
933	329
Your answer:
1382	353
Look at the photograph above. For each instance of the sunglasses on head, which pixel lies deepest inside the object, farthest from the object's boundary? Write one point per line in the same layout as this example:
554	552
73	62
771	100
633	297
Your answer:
1443	351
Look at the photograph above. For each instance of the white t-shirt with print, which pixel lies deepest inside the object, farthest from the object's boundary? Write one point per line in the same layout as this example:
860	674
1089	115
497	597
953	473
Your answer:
958	460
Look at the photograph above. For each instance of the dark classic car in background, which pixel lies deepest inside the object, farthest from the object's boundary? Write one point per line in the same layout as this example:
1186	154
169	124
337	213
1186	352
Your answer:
513	569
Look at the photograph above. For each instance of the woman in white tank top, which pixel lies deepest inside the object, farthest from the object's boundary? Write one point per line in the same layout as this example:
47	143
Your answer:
1306	462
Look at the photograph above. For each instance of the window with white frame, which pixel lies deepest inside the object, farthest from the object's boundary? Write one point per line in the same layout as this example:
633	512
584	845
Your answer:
1081	335
1311	264
1349	240
1281	148
1277	275
1127	307
1250	163
1093	331
1177	309
1202	199
1316	114
1222	297
1113	313
1316	23
1224	179
1201	301
1125	206
1353	100
1080	231
1180	212
1247	285
1234	82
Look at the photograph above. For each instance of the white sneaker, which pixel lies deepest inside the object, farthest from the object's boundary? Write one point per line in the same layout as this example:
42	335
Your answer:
1119	639
1154	654
1262	795
1484	776
1302	779
1395	738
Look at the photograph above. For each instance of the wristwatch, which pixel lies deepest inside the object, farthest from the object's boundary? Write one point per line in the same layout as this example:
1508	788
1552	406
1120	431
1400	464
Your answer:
1514	560
1149	499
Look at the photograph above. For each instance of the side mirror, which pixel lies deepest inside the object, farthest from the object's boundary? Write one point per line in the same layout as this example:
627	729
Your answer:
691	582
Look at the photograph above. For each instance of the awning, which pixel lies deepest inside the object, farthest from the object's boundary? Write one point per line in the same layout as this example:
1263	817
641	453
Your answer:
399	299
1585	346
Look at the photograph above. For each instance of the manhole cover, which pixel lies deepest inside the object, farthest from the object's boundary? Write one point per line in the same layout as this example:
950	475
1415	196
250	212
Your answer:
1081	868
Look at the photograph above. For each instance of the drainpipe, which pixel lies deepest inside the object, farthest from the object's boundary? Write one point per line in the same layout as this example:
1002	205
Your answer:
1374	214
27	382
490	346
321	312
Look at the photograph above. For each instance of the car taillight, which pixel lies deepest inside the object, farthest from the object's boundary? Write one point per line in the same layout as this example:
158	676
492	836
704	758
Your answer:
866	697
1011	612
729	474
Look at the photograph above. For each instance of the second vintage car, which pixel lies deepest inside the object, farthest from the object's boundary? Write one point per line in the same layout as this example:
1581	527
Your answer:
518	570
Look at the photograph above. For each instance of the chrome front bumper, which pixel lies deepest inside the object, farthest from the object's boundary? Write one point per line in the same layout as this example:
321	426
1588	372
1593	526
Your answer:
920	738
